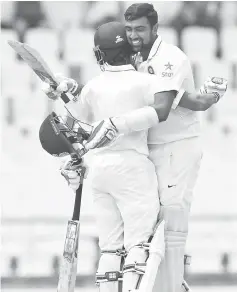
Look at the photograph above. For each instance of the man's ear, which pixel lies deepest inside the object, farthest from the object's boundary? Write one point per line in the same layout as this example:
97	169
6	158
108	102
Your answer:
155	29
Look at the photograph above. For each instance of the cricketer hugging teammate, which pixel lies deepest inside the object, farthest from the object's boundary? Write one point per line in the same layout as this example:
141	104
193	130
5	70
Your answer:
144	151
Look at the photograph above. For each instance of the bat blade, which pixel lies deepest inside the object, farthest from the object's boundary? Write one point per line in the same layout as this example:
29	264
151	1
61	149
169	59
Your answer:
35	61
68	269
39	66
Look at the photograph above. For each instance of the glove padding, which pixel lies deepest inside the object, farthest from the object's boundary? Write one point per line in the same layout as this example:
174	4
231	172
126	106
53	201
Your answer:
103	135
215	85
66	85
72	173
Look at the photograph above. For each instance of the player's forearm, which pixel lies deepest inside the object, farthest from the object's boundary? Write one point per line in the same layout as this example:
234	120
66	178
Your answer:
148	116
198	101
136	120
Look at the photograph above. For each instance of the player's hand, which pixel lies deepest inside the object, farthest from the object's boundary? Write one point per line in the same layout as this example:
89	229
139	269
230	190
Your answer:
72	173
136	60
103	135
215	85
65	85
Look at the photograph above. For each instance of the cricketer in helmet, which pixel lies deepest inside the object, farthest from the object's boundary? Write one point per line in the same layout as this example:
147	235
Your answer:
111	45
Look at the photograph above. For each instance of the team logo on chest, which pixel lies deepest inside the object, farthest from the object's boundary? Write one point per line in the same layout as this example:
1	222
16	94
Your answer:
150	70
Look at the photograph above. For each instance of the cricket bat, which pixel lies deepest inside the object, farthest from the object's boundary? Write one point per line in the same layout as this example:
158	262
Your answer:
68	267
40	67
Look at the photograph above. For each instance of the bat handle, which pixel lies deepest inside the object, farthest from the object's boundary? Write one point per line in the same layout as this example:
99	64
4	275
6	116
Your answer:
65	98
77	204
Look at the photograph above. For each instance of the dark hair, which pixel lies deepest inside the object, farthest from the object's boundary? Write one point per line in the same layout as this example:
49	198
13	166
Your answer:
138	10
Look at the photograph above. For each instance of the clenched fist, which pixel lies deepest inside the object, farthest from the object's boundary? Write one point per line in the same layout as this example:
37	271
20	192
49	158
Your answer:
66	85
215	85
73	173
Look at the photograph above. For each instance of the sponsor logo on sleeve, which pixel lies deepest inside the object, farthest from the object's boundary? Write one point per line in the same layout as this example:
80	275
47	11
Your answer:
168	70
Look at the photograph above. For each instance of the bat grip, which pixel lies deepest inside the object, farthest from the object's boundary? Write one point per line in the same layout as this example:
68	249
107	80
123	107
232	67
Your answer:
77	204
65	98
63	95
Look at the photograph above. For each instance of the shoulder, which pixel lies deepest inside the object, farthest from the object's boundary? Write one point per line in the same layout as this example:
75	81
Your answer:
168	61
90	85
168	55
87	90
172	51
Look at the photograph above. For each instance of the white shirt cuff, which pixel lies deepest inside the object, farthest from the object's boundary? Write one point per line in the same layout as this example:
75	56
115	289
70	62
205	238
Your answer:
178	98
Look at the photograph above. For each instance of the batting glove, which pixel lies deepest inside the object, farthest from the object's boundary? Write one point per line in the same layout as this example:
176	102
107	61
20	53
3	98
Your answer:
65	85
72	173
103	135
215	85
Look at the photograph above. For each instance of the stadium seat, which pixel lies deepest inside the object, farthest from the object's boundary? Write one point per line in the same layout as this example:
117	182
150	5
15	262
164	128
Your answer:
45	41
199	43
100	10
78	45
229	42
19	82
56	16
212	67
228	109
228	13
168	35
7	53
79	51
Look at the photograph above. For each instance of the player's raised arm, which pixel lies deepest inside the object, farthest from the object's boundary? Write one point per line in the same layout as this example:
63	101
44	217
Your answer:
81	109
178	88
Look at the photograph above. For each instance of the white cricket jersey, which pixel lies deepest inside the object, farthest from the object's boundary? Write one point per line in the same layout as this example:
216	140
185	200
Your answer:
116	91
173	72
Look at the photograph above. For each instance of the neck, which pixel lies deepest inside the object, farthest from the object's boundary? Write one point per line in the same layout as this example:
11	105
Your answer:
146	50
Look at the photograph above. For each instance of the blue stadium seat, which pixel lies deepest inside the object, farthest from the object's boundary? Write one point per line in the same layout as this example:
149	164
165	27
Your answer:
199	43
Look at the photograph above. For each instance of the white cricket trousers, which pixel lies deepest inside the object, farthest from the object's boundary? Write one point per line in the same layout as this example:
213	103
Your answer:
125	195
177	166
